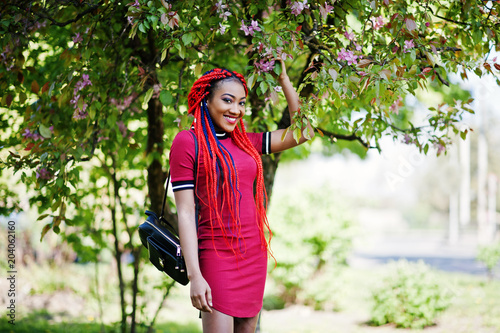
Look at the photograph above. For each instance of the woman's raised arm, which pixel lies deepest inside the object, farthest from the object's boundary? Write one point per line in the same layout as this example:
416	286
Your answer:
292	98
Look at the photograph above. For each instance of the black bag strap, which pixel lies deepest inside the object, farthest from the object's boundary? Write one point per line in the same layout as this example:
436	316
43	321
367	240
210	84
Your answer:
197	208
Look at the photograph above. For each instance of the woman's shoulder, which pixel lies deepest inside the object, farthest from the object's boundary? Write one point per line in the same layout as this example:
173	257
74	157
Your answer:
184	138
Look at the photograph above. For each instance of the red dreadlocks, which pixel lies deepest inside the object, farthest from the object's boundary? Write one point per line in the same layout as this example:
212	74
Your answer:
218	161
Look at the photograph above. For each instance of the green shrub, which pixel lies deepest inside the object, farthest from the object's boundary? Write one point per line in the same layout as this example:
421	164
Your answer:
410	296
312	238
489	255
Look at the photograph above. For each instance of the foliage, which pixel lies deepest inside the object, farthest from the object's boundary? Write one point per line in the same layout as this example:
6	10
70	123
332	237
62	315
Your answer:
489	255
411	296
96	66
93	92
312	235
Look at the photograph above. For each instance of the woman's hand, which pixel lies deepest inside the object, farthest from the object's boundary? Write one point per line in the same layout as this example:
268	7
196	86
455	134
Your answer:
283	75
201	294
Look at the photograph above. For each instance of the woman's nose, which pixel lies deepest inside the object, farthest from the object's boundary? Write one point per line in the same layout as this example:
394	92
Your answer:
235	109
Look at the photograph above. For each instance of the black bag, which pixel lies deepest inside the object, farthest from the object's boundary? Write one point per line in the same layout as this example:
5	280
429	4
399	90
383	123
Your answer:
164	247
162	241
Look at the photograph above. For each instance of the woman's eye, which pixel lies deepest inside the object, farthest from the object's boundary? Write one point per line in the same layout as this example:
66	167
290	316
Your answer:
242	103
227	100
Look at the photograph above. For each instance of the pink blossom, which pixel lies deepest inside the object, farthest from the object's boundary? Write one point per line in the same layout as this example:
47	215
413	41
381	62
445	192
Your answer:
222	29
77	38
224	15
358	47
75	99
324	11
349	35
278	89
255	25
407	139
220	7
264	66
427	24
348	56
250	30
156	91
43	173
80	114
32	135
84	82
396	105
378	22
408	45
298	7
281	54
440	148
122	128
125	104
245	29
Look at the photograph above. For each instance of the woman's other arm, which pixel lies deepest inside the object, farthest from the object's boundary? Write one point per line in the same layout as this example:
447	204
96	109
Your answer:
201	295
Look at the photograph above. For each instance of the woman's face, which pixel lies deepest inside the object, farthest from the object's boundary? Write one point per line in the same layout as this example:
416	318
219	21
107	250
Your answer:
226	105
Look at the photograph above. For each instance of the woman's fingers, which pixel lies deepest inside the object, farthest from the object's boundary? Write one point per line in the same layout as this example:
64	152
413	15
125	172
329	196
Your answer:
203	301
209	298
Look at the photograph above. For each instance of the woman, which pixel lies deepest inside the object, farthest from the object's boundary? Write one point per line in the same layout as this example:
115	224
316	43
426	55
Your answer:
226	257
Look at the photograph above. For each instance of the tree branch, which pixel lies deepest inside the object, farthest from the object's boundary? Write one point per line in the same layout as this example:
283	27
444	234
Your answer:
351	137
79	16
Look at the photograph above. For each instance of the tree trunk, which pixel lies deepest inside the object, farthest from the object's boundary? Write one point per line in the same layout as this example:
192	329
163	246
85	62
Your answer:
156	175
118	254
136	252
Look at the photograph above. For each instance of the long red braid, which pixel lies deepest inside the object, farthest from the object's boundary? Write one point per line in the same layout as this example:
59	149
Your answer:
220	172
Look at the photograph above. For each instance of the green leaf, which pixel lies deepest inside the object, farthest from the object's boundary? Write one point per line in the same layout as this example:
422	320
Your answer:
41	217
45	131
154	20
297	135
197	69
277	69
187	39
285	132
337	102
141	28
147	97
263	87
251	80
166	98
45	229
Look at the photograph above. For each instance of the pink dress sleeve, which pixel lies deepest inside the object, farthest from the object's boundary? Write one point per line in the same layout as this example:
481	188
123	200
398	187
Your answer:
261	142
182	159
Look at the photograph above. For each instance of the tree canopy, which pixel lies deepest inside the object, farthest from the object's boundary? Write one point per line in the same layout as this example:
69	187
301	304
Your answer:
101	86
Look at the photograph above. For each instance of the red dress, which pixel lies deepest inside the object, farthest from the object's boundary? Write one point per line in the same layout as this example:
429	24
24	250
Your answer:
237	282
